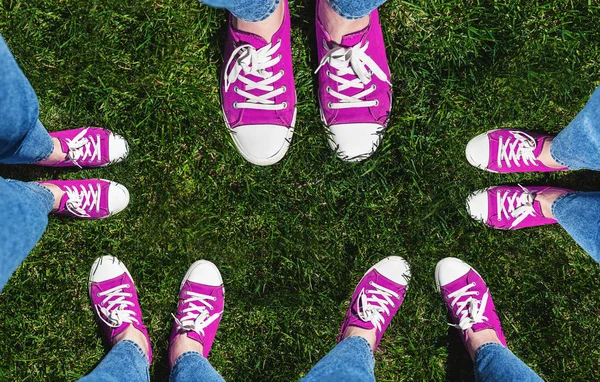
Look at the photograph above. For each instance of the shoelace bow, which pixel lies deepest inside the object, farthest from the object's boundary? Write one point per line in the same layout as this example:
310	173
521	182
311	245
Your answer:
351	61
249	61
519	147
469	311
115	307
82	147
197	317
80	202
370	307
519	205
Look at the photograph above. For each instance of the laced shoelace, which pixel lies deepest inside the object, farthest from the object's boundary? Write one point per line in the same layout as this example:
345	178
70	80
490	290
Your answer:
82	201
197	317
516	148
115	307
249	61
82	148
469	311
370	307
519	205
356	62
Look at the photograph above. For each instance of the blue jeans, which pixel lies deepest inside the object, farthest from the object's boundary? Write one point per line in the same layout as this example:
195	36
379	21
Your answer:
127	362
24	207
352	360
258	10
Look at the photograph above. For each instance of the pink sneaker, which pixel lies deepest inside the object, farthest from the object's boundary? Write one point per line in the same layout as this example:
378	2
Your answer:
507	151
509	207
378	297
467	298
201	303
258	93
91	198
90	147
114	299
355	93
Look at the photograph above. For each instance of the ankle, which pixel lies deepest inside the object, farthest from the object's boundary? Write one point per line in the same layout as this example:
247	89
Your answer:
57	155
57	192
183	344
337	26
477	339
367	334
265	28
547	198
546	157
132	334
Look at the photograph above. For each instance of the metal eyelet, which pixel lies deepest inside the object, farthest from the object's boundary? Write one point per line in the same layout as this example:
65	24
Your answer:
329	105
282	72
373	86
278	40
328	89
328	73
476	293
285	105
235	105
235	89
127	286
376	102
97	294
279	56
284	88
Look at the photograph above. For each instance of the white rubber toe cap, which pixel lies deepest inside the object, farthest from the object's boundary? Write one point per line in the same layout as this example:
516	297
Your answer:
394	268
203	272
477	205
118	198
354	142
478	151
118	148
106	268
450	269
262	145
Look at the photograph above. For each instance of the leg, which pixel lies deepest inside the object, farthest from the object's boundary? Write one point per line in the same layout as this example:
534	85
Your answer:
577	213
23	139
472	311
494	362
351	360
246	10
24	209
199	311
578	145
192	366
353	9
375	301
126	361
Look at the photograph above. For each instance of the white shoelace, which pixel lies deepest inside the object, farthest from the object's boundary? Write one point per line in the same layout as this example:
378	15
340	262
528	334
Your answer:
249	61
370	308
81	201
521	148
80	148
115	307
470	311
519	206
197	317
353	61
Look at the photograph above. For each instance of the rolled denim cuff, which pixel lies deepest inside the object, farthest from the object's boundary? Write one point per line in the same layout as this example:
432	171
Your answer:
250	11
185	355
554	155
555	208
353	10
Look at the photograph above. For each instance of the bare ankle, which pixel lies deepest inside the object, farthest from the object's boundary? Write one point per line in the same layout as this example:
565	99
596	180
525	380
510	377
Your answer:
58	155
132	334
337	26
367	334
546	157
183	344
477	339
265	28
547	198
57	192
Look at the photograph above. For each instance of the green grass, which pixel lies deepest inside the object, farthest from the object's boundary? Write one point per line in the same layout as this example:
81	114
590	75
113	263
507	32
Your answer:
293	239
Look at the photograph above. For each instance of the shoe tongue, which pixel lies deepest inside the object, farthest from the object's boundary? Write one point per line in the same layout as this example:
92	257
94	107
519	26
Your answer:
354	38
249	38
539	146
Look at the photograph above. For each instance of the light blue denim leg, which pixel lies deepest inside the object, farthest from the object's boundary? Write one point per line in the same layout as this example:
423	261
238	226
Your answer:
579	214
23	139
350	361
578	145
24	209
125	362
248	10
495	363
354	9
191	366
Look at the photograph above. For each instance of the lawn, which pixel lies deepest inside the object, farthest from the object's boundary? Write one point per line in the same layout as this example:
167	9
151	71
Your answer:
293	239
